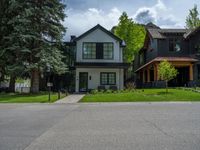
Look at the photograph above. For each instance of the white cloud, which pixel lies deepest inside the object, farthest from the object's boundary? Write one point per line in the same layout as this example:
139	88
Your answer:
79	22
158	14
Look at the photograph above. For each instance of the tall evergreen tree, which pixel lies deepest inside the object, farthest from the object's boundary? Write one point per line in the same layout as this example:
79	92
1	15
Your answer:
37	32
132	33
8	59
192	20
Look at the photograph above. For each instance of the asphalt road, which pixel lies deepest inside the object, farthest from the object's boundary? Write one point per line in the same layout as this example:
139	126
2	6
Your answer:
113	126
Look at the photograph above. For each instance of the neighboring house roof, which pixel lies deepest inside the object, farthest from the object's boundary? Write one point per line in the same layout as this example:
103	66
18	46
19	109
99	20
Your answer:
101	65
155	33
169	59
160	33
191	33
98	26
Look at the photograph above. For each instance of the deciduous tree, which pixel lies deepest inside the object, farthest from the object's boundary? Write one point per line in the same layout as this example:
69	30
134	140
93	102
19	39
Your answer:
167	72
192	20
132	33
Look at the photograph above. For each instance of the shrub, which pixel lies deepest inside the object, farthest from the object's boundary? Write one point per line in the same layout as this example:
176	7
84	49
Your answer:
131	86
94	92
108	91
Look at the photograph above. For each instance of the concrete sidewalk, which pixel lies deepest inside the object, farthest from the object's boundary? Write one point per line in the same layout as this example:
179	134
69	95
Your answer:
70	99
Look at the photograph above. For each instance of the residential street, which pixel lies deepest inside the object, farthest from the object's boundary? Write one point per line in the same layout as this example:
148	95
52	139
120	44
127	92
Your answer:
108	126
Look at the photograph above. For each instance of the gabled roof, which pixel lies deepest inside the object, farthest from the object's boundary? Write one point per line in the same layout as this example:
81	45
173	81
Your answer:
98	26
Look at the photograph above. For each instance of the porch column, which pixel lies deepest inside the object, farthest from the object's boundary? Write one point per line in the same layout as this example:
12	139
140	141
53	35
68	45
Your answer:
157	73
191	72
143	75
148	75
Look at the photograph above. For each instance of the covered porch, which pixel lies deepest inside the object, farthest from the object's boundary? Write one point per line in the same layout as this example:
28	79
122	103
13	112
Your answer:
148	74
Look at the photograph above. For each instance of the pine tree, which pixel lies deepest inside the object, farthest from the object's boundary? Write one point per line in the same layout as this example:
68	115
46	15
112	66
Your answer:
36	36
192	20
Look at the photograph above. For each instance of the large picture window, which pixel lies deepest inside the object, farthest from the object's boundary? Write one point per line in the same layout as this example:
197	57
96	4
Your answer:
107	78
98	50
174	45
108	50
89	50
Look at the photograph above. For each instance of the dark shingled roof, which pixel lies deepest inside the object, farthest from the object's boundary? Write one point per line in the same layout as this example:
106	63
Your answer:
191	32
158	33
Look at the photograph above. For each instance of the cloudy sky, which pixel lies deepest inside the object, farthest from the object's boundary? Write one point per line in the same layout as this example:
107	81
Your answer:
84	14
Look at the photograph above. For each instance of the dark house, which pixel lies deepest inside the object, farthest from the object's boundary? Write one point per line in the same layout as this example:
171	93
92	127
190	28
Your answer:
180	47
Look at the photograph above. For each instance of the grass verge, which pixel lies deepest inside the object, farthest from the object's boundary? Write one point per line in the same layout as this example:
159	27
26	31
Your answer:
28	98
146	95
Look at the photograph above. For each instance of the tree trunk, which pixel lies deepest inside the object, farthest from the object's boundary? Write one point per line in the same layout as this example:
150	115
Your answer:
35	81
12	84
166	83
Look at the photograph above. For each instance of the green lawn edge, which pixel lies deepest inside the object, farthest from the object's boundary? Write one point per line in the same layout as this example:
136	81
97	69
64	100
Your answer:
29	98
146	95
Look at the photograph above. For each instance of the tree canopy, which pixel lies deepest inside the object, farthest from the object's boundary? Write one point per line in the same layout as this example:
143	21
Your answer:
132	33
33	38
167	72
192	20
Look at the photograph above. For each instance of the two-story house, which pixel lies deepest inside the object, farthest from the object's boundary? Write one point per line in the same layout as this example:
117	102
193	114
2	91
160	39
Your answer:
180	47
99	60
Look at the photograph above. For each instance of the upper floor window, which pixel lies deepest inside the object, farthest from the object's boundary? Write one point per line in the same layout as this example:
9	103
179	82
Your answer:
174	45
98	50
89	50
108	50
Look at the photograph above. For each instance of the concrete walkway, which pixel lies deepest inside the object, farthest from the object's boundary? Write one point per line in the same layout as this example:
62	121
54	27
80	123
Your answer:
70	99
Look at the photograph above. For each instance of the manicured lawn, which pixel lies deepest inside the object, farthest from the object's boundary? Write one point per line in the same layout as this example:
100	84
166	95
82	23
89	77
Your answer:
28	98
148	95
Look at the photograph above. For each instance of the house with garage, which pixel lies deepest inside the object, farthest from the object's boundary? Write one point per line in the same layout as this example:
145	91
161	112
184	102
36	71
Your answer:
99	60
180	47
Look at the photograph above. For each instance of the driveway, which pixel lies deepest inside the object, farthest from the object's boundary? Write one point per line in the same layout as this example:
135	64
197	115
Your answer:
108	126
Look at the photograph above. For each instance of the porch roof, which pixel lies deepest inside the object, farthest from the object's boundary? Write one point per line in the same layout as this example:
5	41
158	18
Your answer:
101	65
170	59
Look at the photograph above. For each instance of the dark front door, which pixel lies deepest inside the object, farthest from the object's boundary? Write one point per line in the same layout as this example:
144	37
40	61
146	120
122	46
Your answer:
83	81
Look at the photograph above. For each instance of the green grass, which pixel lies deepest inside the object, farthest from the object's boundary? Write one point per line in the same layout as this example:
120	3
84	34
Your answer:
28	98
148	95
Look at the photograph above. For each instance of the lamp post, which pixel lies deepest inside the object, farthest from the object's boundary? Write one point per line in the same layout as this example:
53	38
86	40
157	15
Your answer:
48	81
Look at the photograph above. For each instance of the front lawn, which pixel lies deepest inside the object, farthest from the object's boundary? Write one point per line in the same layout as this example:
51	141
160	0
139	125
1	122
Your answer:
28	98
148	95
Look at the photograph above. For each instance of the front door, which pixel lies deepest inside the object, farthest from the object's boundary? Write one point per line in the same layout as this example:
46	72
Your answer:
83	82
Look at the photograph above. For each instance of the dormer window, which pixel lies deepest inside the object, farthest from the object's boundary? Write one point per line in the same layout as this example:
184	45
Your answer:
174	45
